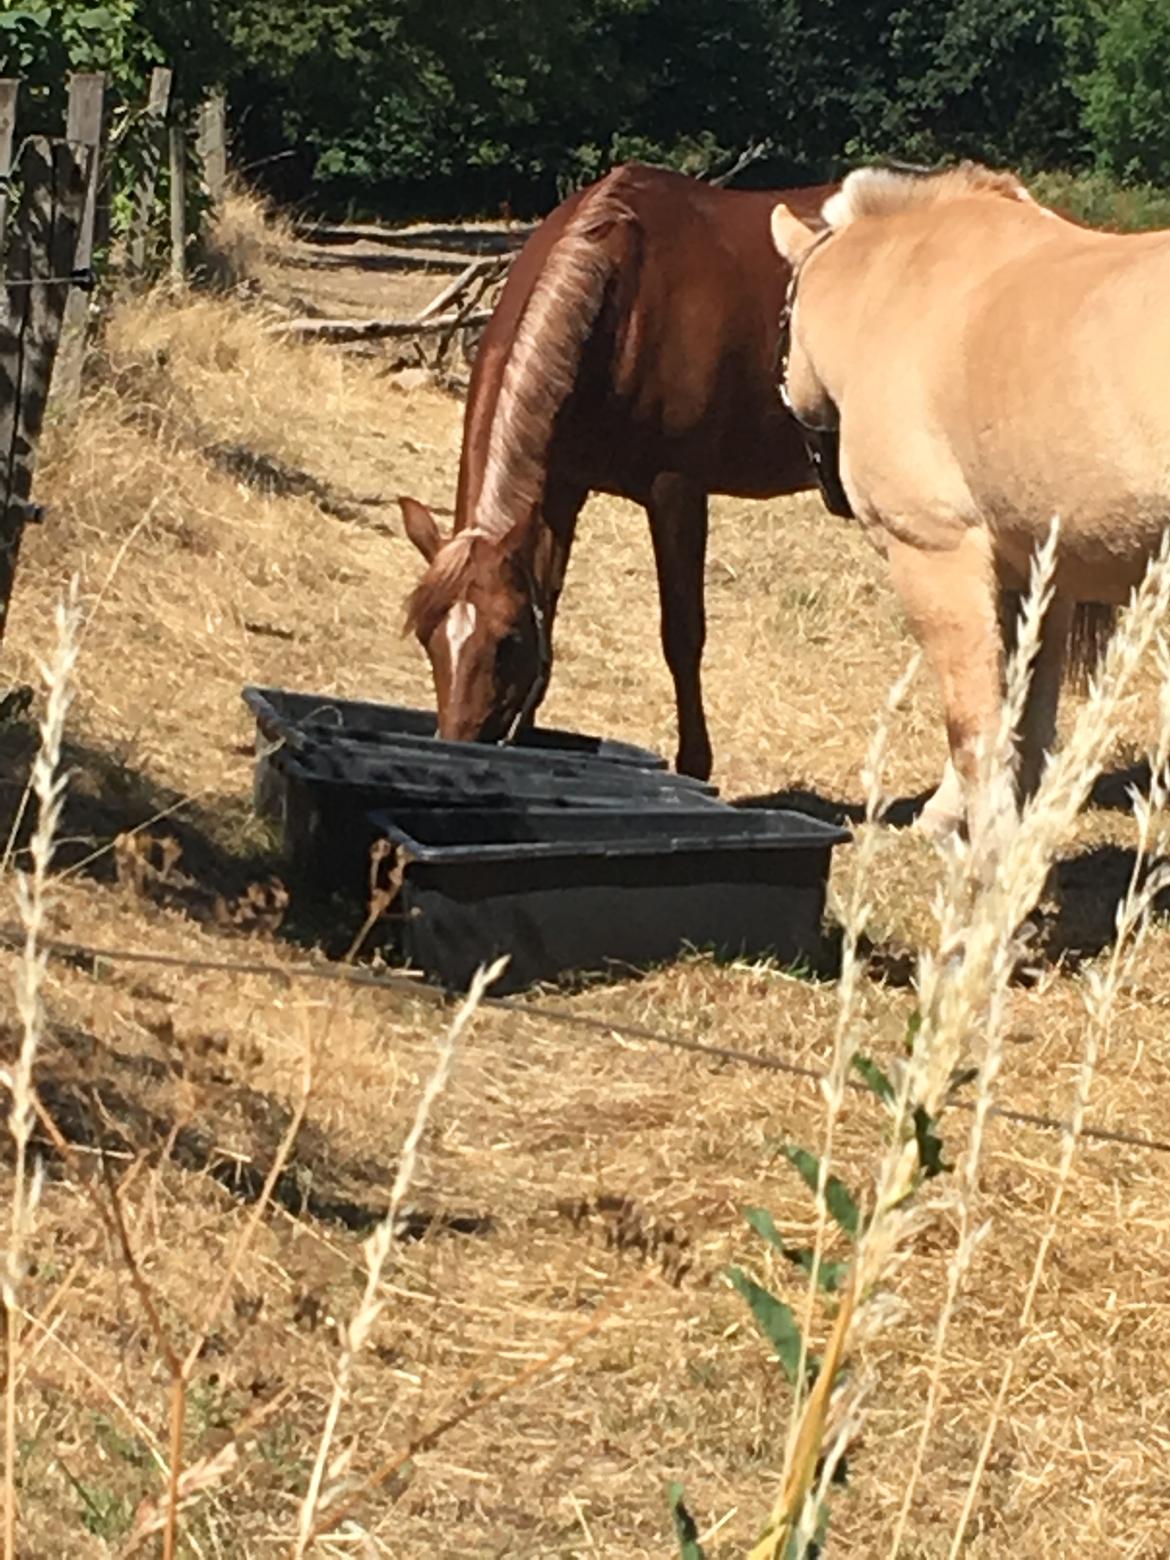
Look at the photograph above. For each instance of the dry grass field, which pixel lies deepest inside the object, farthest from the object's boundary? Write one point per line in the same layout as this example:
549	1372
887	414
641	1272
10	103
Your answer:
227	503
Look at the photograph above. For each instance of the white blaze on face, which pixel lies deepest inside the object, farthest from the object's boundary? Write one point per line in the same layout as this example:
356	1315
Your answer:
460	627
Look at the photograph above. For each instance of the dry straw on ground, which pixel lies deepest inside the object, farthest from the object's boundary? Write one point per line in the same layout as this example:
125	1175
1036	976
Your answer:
227	502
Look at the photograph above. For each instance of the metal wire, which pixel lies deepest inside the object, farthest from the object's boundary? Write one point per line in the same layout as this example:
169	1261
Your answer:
82	279
403	985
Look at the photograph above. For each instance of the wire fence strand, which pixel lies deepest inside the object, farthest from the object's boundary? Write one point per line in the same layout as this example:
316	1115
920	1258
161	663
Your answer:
88	956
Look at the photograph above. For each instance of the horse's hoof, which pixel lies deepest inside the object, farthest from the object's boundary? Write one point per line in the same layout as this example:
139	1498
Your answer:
938	825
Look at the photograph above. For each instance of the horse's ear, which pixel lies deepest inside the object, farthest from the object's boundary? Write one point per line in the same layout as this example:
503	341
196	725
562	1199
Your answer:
420	527
790	235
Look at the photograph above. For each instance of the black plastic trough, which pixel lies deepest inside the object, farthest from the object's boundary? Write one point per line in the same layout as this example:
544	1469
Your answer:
573	890
324	765
281	713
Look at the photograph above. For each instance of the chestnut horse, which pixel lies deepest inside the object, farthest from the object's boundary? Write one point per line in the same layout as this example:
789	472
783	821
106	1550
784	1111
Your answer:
633	352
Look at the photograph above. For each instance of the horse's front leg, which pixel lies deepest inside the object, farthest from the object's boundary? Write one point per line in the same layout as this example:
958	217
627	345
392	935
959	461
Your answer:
945	810
677	509
949	597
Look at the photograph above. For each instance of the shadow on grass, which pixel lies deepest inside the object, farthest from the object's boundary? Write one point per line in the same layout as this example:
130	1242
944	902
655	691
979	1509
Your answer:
900	814
1087	888
226	870
1088	891
94	1094
108	796
105	1098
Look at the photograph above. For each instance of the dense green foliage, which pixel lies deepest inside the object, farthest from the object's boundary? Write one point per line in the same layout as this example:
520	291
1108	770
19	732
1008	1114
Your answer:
467	104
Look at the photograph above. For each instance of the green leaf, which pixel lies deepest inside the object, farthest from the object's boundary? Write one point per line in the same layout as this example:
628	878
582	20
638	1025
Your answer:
774	1319
831	1276
838	1198
930	1145
913	1025
795	1550
765	1226
875	1078
685	1530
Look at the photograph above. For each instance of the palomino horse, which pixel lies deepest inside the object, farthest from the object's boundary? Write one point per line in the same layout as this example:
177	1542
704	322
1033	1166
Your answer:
632	352
987	366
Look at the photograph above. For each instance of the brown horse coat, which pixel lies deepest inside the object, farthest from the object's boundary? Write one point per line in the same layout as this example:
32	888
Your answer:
632	352
991	366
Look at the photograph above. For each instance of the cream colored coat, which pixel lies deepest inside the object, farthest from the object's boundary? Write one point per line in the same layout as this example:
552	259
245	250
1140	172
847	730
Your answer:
990	366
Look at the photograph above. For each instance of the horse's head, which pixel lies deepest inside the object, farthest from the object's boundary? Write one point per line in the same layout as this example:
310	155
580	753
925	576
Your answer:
475	612
800	386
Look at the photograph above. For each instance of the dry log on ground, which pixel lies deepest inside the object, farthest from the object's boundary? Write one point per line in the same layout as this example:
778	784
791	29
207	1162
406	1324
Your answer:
374	330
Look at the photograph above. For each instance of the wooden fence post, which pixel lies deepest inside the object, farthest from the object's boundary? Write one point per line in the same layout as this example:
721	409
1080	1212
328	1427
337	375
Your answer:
9	91
156	110
177	144
39	258
211	143
83	126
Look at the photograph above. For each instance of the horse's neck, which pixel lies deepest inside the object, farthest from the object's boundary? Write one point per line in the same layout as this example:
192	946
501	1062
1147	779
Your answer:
502	476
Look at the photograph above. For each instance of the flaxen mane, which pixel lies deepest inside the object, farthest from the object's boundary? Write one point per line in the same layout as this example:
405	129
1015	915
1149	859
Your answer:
879	192
538	379
546	353
445	582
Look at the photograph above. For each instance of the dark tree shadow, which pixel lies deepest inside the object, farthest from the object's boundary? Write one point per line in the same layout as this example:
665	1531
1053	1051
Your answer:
274	477
1087	892
900	814
1111	791
93	1093
108	796
209	857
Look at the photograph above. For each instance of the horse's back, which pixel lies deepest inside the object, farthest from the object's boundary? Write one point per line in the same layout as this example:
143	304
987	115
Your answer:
679	373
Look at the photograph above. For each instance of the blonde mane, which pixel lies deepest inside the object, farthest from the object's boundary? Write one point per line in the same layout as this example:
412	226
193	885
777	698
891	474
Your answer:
538	379
543	364
445	582
880	192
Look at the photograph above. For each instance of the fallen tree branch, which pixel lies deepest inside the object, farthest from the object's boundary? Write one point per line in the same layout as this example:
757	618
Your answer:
746	158
373	330
477	268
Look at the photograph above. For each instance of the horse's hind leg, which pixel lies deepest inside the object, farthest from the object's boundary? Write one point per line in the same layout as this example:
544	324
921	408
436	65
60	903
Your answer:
1038	726
678	526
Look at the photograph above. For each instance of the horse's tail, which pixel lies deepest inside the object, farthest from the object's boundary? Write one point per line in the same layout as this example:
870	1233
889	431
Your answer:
544	363
1092	628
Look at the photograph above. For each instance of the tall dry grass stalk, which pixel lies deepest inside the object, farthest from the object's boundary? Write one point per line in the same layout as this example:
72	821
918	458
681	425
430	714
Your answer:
49	786
855	917
991	886
377	1251
247	235
1149	877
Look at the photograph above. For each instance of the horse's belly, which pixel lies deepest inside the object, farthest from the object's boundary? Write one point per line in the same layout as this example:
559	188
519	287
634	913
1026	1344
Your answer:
1104	546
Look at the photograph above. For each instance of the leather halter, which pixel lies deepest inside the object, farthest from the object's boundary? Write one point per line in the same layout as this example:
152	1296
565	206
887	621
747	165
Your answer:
822	445
539	685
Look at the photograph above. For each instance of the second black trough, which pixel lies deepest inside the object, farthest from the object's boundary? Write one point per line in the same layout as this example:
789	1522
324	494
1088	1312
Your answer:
567	852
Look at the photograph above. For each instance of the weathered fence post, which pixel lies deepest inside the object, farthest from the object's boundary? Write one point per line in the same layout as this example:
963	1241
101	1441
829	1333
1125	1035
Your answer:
177	144
9	91
83	126
156	110
38	263
211	144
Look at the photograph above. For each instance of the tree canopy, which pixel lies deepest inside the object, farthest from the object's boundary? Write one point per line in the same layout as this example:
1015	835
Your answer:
464	105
